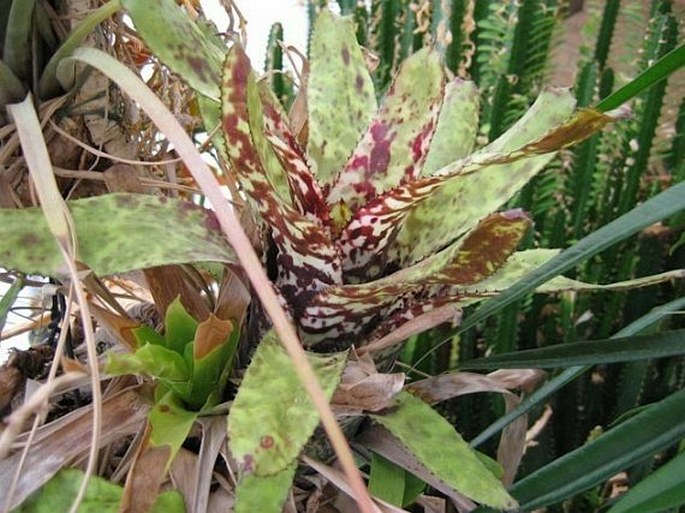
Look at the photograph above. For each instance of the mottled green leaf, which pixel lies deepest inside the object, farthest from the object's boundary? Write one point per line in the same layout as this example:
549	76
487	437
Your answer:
394	147
442	450
307	257
524	262
264	494
475	194
102	496
340	95
116	233
457	127
662	490
170	423
272	416
179	43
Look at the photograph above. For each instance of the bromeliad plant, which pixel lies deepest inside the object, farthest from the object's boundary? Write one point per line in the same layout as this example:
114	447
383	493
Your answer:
387	214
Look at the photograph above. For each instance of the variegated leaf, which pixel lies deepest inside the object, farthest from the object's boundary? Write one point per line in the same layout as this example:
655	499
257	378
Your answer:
408	223
395	145
272	416
116	233
307	258
476	187
305	189
182	44
340	97
339	314
457	127
522	263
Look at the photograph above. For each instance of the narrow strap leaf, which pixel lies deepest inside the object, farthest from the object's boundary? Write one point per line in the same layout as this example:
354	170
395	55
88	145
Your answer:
594	352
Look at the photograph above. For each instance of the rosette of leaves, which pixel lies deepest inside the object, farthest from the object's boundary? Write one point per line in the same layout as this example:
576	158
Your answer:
379	214
190	364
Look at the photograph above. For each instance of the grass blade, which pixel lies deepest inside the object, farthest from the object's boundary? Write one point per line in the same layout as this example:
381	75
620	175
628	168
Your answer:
658	345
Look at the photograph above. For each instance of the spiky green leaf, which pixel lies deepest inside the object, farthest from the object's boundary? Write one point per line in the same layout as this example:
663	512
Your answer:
439	447
182	45
340	97
116	233
272	417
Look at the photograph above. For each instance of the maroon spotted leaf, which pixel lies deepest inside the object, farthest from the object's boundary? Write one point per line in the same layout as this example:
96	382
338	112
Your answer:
307	258
339	315
395	145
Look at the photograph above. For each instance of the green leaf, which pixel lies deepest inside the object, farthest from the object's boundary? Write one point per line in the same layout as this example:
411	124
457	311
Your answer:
48	85
386	480
17	45
11	89
439	447
101	496
395	145
272	417
153	360
392	483
541	394
264	494
180	327
183	46
595	352
661	490
207	384
653	210
146	335
340	95
116	233
523	263
457	127
9	298
170	423
470	197
661	69
639	437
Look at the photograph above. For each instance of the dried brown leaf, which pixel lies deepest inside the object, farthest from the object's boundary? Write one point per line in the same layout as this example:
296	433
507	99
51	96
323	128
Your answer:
211	334
168	282
68	438
145	477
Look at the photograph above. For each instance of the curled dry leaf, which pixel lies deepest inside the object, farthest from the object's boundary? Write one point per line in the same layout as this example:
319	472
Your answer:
362	388
513	440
